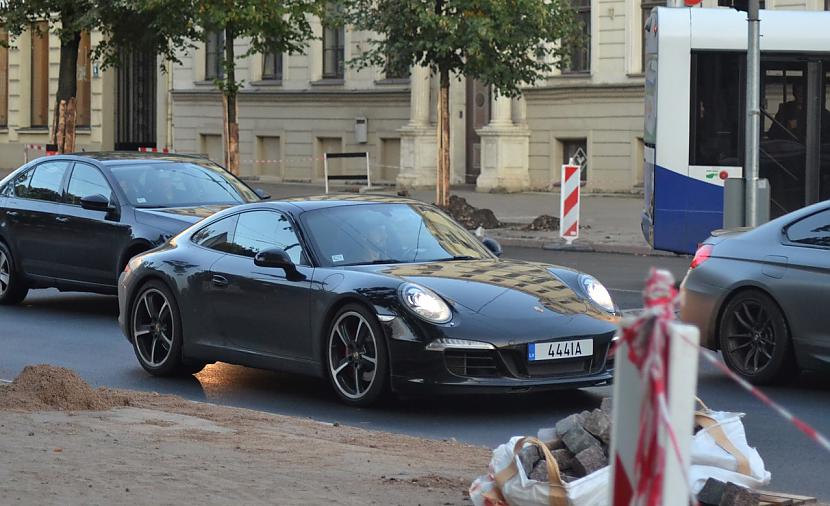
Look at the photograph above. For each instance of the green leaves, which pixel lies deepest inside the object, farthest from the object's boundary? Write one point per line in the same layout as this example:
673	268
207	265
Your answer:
503	43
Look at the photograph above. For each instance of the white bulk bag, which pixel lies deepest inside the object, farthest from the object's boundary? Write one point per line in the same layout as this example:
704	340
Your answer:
720	450
506	483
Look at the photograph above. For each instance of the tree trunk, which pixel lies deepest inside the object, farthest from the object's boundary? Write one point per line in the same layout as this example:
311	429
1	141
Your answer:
232	145
442	183
63	131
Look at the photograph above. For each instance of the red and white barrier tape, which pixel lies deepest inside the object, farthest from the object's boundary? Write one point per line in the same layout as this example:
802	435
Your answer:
155	150
800	424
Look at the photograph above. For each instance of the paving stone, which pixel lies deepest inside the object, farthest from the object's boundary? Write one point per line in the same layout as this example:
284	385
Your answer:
555	444
607	405
599	425
564	458
566	424
546	435
711	493
583	416
735	495
578	439
540	471
529	456
589	460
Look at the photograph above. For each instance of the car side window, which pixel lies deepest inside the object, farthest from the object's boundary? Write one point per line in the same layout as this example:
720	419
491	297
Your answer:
813	230
261	230
218	235
46	182
86	181
19	186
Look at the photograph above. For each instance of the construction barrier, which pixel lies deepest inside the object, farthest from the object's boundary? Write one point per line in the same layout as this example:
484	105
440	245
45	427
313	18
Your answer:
569	202
44	148
155	150
346	177
655	381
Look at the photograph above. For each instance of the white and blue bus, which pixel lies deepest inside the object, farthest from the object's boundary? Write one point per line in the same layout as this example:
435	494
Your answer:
695	110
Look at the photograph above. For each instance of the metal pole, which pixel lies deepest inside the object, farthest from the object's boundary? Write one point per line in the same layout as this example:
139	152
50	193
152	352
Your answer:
753	112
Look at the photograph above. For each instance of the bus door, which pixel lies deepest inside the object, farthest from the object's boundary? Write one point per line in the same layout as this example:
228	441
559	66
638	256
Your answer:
795	125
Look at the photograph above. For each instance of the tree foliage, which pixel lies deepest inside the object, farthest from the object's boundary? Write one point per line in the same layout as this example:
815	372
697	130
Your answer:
503	43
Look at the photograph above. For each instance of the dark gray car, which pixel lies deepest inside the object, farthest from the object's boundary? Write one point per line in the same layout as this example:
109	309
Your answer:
762	296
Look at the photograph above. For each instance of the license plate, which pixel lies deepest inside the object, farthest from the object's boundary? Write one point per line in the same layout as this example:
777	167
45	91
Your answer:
560	349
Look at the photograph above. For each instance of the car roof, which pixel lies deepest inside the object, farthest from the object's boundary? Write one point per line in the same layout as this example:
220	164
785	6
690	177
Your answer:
122	157
313	202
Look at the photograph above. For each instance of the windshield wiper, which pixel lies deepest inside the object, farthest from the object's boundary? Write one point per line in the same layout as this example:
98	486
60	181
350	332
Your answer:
457	257
375	262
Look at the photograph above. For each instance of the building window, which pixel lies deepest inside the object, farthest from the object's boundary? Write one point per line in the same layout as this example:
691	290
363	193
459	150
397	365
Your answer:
83	93
214	47
334	38
578	150
645	9
580	58
4	78
40	75
272	66
394	68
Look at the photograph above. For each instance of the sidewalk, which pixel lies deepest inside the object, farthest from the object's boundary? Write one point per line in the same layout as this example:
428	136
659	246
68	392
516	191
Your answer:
609	222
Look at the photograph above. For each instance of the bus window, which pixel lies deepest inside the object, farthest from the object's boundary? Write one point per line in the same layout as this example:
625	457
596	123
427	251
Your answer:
716	109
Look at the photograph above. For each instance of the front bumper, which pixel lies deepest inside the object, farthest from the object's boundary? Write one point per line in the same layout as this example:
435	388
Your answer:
502	370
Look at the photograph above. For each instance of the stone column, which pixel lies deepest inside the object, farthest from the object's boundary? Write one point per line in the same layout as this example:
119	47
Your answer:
419	142
520	111
505	150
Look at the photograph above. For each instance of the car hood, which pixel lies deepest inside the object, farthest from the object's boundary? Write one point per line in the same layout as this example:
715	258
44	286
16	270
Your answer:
505	290
176	219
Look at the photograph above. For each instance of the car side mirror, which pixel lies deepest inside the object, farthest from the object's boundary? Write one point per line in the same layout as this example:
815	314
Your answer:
95	202
274	258
493	245
264	195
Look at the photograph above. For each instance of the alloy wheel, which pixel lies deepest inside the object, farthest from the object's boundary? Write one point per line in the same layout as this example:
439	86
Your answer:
750	337
5	273
153	327
353	355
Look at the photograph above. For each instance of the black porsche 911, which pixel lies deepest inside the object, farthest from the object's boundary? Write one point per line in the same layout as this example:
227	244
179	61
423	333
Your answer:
373	292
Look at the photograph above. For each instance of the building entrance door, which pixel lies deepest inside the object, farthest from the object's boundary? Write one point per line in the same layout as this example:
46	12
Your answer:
478	115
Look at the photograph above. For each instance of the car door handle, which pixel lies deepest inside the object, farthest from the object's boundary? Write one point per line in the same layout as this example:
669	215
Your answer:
219	281
62	219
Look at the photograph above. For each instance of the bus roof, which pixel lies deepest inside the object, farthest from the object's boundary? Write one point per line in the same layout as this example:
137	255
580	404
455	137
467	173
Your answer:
726	29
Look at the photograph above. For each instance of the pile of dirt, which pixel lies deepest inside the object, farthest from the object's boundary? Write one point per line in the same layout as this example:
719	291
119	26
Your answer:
469	216
544	222
46	387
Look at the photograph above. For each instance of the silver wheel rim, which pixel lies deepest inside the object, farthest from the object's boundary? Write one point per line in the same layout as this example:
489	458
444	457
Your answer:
352	355
153	327
5	273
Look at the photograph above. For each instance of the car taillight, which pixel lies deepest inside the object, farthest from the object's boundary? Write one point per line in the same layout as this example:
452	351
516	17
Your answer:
702	254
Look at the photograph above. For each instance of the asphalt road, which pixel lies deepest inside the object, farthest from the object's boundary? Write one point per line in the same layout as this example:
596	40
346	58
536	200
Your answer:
80	331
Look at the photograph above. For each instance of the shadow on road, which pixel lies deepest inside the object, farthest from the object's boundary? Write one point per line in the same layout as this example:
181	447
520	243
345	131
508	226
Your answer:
74	304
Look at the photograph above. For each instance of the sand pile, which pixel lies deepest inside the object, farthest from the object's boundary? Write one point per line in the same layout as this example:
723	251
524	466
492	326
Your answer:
46	387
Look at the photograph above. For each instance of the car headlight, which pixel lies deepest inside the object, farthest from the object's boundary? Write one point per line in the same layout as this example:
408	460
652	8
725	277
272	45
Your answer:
425	303
596	292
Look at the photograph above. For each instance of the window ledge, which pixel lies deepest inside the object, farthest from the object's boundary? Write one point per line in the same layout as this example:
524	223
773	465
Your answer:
83	130
636	74
267	82
574	74
33	130
328	82
4	129
204	83
392	81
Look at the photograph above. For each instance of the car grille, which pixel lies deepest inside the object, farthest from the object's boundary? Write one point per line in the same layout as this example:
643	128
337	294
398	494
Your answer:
472	363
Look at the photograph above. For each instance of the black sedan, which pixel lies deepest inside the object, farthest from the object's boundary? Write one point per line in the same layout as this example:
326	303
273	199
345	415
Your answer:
374	293
73	221
761	296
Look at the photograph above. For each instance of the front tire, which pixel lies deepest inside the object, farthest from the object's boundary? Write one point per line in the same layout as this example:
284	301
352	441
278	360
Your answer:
356	356
755	339
13	288
156	330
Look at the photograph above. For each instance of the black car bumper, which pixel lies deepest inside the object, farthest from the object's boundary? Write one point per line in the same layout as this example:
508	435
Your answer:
416	369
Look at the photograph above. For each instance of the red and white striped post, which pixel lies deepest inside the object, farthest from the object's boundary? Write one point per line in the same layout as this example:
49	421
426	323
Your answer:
655	380
569	202
154	150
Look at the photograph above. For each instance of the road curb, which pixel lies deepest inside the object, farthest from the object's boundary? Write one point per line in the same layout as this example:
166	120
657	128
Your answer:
586	247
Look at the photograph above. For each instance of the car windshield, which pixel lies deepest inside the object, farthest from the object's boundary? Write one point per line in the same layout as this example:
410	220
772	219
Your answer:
180	184
388	233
